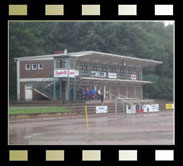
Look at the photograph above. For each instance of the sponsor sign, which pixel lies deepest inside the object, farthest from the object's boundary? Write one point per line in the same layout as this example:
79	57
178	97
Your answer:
101	109
133	77
169	106
147	108
130	109
112	75
64	73
151	107
98	74
155	107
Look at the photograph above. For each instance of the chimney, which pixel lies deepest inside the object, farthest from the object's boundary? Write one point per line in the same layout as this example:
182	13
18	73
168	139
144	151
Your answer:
65	51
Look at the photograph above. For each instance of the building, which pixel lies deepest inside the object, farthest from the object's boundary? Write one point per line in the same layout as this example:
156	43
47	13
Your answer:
61	76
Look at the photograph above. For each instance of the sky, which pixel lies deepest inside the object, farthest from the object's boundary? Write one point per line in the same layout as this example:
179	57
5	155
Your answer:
168	22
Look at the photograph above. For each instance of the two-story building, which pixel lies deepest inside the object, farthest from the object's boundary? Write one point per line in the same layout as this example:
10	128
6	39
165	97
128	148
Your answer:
62	76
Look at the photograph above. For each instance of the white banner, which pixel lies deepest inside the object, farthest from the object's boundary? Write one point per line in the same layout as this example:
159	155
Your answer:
101	109
155	107
112	75
130	109
151	107
64	73
98	74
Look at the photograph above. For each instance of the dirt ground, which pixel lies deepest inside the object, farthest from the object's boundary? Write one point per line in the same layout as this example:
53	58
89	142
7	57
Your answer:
104	129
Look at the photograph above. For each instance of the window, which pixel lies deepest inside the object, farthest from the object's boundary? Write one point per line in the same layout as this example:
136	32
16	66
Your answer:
40	66
27	67
34	66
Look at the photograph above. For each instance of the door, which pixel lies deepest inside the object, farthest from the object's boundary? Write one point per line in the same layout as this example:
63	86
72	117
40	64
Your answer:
28	92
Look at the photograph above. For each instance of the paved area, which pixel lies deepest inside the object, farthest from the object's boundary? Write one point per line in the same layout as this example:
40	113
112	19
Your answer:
104	129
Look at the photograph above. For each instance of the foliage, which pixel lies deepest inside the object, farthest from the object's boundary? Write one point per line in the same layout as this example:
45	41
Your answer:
149	40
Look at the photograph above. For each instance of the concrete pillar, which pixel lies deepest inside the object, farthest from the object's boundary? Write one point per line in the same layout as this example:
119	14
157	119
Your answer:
135	94
18	80
127	91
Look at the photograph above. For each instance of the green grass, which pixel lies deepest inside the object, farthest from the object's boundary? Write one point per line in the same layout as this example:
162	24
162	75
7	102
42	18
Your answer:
33	110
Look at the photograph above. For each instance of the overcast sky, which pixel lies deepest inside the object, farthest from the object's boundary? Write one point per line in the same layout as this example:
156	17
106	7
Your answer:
168	22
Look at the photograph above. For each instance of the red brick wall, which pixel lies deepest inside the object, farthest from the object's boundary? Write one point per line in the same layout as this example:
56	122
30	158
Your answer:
47	72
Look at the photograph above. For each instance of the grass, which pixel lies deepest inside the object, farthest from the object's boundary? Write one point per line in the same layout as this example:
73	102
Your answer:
33	110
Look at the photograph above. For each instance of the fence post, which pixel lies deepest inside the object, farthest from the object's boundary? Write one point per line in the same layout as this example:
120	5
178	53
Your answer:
86	115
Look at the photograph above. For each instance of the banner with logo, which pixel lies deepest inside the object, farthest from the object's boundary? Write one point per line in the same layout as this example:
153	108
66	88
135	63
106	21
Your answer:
112	75
101	109
98	74
64	73
130	109
133	77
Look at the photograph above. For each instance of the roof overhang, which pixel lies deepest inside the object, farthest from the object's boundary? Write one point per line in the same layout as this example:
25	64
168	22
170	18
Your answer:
109	80
99	57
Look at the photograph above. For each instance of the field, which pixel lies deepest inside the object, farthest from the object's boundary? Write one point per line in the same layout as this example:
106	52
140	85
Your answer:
33	110
104	129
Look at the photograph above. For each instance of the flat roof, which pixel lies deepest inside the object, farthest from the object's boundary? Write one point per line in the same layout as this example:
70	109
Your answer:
100	57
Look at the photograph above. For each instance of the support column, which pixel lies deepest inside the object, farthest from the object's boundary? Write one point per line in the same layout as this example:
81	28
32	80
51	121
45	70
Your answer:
18	80
127	91
54	88
118	90
60	89
135	94
68	80
54	81
74	88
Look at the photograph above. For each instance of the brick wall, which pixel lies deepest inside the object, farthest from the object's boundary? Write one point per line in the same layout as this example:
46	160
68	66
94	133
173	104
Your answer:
47	72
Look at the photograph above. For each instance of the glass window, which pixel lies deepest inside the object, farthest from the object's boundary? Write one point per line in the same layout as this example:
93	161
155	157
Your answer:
34	66
40	66
27	67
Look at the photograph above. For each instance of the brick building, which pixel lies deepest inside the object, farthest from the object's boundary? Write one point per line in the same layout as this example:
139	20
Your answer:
61	76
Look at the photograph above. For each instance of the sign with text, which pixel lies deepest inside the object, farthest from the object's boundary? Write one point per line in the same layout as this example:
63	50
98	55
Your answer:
169	106
101	109
112	75
64	73
98	74
133	77
130	109
151	107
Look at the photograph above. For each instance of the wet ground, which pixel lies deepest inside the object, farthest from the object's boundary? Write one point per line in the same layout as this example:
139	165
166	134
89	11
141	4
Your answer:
104	129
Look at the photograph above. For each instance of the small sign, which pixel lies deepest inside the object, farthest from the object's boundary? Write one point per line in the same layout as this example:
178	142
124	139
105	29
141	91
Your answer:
101	109
112	75
133	77
169	106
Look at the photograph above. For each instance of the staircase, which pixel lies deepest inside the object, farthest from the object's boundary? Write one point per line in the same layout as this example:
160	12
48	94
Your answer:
44	89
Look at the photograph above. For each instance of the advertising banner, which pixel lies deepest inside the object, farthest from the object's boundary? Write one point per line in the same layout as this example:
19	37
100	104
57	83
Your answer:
130	109
101	109
147	108
112	75
151	107
133	77
64	73
169	106
155	107
98	74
